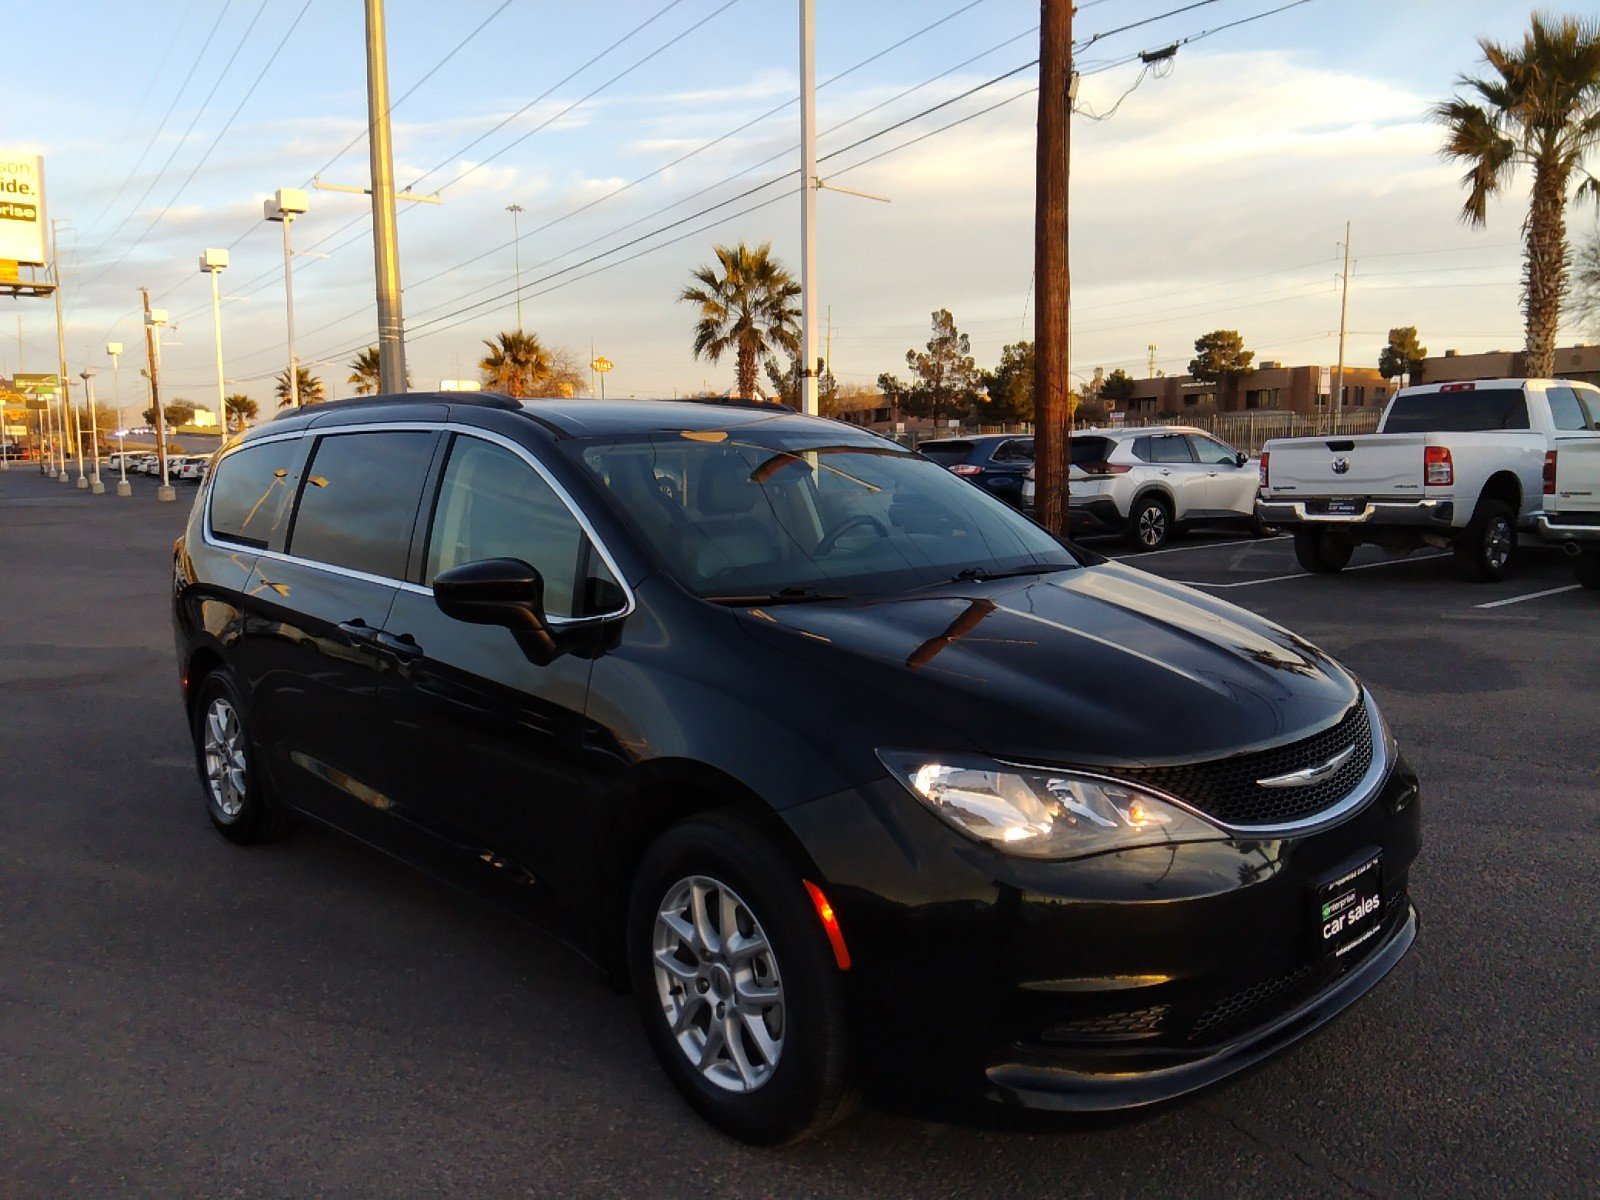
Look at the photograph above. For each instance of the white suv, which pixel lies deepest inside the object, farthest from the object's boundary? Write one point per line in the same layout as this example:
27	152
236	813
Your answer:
1144	483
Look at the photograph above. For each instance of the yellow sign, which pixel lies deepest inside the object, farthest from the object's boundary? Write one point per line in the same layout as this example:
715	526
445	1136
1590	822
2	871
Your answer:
602	364
9	272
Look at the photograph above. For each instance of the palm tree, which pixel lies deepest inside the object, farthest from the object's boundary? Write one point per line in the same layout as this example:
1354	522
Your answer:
364	372
309	385
520	365
1540	108
239	409
748	308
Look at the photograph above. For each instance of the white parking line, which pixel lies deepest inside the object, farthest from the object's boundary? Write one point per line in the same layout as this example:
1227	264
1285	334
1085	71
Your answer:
1555	591
1135	555
1391	562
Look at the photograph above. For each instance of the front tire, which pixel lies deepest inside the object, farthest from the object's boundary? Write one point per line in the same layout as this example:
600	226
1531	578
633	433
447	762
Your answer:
1319	552
1487	548
235	792
736	982
1149	524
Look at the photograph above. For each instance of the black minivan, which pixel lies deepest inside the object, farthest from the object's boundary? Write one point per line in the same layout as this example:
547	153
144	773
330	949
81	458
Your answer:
859	779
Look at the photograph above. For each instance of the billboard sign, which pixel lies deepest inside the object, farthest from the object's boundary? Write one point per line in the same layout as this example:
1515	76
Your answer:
22	208
36	385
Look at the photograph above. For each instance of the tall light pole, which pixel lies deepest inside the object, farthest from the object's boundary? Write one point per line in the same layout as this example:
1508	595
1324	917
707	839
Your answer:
285	205
385	242
516	250
114	349
87	375
808	208
77	429
1344	301
214	263
61	355
154	319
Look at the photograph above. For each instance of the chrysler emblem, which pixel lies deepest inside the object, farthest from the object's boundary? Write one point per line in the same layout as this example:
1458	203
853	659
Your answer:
1341	465
1310	775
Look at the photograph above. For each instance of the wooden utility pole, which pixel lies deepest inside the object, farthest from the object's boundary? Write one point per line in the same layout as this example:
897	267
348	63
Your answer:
155	388
1052	415
1344	304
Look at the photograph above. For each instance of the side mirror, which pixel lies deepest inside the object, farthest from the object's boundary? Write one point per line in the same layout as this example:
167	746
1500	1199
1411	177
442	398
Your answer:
499	591
1241	459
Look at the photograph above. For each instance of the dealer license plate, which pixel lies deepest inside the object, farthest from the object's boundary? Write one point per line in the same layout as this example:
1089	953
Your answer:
1346	508
1349	909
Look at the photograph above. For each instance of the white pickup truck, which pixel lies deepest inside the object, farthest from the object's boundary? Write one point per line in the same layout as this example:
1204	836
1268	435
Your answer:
1571	513
1458	465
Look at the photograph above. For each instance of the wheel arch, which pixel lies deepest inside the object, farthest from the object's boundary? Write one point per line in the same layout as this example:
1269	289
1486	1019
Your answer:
652	798
1161	491
1505	487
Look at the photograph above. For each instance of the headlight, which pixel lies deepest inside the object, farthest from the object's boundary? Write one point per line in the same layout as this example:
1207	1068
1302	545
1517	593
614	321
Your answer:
1036	813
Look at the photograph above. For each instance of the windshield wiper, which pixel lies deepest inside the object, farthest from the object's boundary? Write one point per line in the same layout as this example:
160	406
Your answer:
983	574
784	595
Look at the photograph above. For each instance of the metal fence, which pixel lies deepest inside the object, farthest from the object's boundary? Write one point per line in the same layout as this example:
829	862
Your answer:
1246	431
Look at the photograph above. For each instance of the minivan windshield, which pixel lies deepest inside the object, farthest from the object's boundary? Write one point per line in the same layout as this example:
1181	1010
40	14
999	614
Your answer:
800	513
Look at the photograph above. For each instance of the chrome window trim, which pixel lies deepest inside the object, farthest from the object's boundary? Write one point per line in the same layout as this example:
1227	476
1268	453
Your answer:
487	435
1367	788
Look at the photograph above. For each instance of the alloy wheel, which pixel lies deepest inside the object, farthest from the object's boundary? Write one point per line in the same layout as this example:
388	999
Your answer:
1152	525
718	982
1497	543
224	758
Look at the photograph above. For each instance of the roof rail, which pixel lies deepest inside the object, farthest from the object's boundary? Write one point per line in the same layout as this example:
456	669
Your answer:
478	399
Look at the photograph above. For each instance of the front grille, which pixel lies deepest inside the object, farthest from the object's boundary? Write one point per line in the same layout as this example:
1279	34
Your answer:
1227	789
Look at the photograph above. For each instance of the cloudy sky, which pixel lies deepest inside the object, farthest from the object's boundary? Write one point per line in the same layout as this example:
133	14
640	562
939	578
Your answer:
637	133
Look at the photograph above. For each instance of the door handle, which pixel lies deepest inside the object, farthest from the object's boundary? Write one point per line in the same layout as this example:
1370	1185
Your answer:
402	646
359	632
1164	471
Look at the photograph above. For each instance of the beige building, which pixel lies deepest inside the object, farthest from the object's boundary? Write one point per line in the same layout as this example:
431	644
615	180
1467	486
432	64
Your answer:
1572	362
1270	387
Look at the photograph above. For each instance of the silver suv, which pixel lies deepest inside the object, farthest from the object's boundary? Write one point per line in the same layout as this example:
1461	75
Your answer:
1145	483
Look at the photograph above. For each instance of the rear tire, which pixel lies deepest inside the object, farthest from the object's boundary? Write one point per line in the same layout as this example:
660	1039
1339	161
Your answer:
1319	552
1149	524
1586	570
754	1041
235	790
1486	549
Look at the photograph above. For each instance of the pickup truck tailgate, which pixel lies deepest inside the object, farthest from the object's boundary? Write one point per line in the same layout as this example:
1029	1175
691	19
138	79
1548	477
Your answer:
1377	464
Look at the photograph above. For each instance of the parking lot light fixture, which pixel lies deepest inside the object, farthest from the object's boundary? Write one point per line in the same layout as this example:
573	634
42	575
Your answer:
213	263
284	206
96	487
154	319
124	488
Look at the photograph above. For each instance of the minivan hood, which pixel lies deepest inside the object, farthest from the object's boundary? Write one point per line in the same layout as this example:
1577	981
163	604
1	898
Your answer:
1101	665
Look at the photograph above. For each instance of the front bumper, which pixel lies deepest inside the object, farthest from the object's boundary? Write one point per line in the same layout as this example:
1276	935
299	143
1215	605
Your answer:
1560	531
1428	514
1109	982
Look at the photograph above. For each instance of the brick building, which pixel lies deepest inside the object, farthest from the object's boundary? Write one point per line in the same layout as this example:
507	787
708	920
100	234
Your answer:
1572	362
1270	387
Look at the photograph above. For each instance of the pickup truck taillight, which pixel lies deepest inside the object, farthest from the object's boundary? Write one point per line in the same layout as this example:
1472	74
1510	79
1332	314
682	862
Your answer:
1549	472
1437	468
1266	477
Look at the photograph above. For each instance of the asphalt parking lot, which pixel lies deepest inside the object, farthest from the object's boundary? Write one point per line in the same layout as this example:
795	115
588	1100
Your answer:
182	1017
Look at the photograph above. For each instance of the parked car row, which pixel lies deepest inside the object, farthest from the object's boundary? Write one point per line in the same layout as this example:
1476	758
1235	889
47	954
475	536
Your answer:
1473	467
191	468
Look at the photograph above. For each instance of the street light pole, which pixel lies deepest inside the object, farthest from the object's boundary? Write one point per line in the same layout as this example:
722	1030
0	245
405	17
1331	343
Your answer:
385	242
87	375
61	355
284	206
808	209
213	263
516	249
114	349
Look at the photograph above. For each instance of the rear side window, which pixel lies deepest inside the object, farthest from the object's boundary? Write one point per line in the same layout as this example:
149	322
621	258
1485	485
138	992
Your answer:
494	505
1170	448
1565	410
946	454
1090	450
251	493
1477	411
1017	450
359	500
1589	397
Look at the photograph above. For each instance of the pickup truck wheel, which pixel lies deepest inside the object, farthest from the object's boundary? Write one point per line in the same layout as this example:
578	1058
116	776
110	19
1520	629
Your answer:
1149	524
1319	552
1488	545
1586	570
